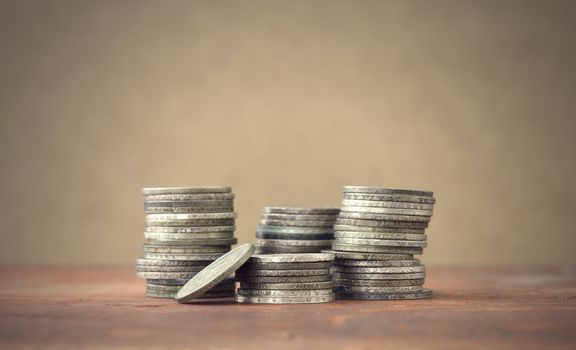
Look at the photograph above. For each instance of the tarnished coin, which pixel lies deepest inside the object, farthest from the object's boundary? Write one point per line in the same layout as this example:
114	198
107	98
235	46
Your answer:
380	235
384	204
381	223
424	294
184	210
287	286
201	229
195	242
382	190
187	257
303	211
386	211
167	282
355	228
170	263
379	276
284	292
379	290
188	197
195	222
285	300
160	249
375	249
369	256
294	230
379	270
383	217
291	223
297	217
185	190
290	249
378	283
215	273
282	273
189	269
166	275
252	264
187	217
299	236
292	242
380	242
203	203
283	279
292	258
159	236
389	198
376	263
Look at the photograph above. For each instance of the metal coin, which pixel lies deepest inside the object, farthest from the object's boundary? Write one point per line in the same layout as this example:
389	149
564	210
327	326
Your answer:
380	242
283	279
388	211
381	235
184	210
284	292
295	230
303	211
166	282
293	242
424	294
157	249
195	242
185	190
298	217
379	290
282	273
376	263
288	286
189	269
383	217
215	273
355	228
384	204
188	197
369	256
288	249
186	257
174	289
258	265
166	275
292	258
299	236
289	223
196	222
170	263
382	190
285	300
203	203
389	198
381	223
376	249
379	270
228	228
378	283
222	294
159	236
379	276
187	217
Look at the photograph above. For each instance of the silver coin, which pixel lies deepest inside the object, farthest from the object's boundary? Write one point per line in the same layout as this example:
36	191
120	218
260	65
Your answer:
283	279
157	249
184	257
294	230
158	236
293	242
258	265
203	203
186	190
169	263
380	242
215	273
189	217
369	256
303	211
388	191
378	283
297	217
386	211
378	290
287	286
166	282
284	292
379	276
381	235
376	263
389	198
189	197
383	217
355	228
165	275
298	236
278	249
201	229
378	270
186	210
292	258
285	300
282	273
424	294
381	223
172	295
376	249
196	222
174	289
288	223
384	204
195	242
190	269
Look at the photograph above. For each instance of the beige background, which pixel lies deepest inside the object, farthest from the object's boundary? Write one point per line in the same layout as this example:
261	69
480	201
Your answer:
286	101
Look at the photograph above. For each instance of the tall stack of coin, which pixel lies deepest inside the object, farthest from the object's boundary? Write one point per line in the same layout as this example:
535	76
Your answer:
376	236
295	230
286	279
186	229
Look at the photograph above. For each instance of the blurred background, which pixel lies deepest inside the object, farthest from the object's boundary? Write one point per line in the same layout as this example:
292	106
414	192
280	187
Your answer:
286	101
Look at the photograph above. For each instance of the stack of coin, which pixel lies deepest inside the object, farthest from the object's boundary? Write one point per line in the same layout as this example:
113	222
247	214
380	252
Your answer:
186	229
295	230
376	236
286	279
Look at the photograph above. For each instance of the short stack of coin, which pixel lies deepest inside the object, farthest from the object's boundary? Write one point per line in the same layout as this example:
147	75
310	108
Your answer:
295	230
376	236
286	279
186	229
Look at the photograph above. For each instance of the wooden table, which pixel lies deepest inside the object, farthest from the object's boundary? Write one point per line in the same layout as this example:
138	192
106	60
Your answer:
472	308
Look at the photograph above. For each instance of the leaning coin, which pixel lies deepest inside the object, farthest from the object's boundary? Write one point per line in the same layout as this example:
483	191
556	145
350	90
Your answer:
292	223
195	222
195	242
387	211
166	275
285	300
424	294
389	198
369	256
384	204
289	286
380	235
376	263
186	190
186	257
378	270
292	258
383	217
292	242
381	223
159	236
228	228
297	217
304	211
282	273
172	295
188	197
251	264
355	228
170	263
378	283
281	279
186	217
356	289
295	230
383	190
376	249
203	203
284	292
158	249
380	242
300	236
186	210
379	276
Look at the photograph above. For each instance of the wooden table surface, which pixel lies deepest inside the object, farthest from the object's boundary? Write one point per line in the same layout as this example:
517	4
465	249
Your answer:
472	308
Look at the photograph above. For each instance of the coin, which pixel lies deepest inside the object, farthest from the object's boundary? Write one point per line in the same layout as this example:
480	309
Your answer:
215	273
355	228
383	217
291	258
375	249
229	228
190	269
184	210
424	294
282	273
370	256
378	283
166	275
188	257
287	286
381	223
379	270
298	217
388	191
385	204
377	290
389	198
166	282
195	242
303	211
380	242
295	230
169	263
285	300
174	289
185	190
189	197
379	276
292	242
380	235
376	263
187	217
283	279
203	203
160	249
172	295
284	292
160	236
251	264
388	211
291	249
300	236
195	222
289	223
